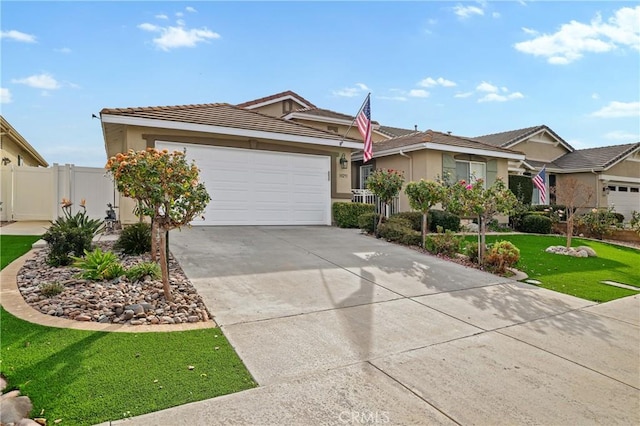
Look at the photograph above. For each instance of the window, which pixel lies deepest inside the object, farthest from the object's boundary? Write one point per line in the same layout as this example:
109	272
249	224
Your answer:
623	189
632	189
365	171
611	188
470	171
20	161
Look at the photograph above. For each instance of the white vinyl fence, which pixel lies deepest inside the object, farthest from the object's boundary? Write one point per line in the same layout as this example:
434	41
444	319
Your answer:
34	193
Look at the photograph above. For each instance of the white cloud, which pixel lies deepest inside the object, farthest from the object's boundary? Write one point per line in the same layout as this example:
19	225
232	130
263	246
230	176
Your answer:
351	92
486	87
162	16
595	96
5	96
574	39
529	31
39	81
430	82
495	15
463	95
18	36
464	12
64	50
619	135
190	9
393	98
494	97
418	93
617	109
172	37
179	14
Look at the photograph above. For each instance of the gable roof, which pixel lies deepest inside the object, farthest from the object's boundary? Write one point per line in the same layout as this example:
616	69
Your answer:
272	99
322	114
395	131
9	132
439	141
512	137
596	158
223	118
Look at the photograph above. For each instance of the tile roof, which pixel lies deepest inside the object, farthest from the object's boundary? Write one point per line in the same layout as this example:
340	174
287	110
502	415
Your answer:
395	131
322	112
415	138
601	157
223	115
505	139
274	97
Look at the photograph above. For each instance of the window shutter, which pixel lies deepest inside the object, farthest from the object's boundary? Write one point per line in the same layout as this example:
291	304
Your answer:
448	168
492	172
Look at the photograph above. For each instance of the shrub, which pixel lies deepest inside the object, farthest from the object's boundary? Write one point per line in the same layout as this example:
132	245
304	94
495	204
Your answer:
635	221
346	214
445	243
599	223
470	249
536	224
140	270
415	219
98	265
502	255
70	234
135	239
368	221
51	289
444	219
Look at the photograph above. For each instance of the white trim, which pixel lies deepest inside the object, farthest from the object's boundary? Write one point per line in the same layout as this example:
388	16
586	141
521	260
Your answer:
273	101
635	160
322	119
542	141
610	178
530	137
442	147
391	151
205	128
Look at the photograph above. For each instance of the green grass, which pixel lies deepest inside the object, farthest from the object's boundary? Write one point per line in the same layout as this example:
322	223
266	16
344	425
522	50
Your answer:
85	377
580	277
14	246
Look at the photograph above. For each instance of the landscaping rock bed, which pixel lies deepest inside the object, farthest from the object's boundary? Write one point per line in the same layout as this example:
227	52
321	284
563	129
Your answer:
117	301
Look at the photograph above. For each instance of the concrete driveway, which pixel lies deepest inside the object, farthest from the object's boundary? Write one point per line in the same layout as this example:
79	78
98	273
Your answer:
341	328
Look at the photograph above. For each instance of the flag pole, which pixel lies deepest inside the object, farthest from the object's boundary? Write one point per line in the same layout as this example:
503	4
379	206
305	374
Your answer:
355	118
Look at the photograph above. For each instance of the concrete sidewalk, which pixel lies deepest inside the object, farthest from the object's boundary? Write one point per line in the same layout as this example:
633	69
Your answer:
341	328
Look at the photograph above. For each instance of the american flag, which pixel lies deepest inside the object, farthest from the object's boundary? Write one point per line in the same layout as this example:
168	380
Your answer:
364	126
539	182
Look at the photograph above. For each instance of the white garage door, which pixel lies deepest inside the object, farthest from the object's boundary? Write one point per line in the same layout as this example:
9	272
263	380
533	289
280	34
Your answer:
251	187
624	198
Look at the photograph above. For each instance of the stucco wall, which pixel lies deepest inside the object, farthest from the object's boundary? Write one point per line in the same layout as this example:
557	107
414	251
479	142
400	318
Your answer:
588	180
11	150
626	168
540	151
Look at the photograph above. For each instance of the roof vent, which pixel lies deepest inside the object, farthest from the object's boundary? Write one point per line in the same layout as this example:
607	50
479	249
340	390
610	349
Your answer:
415	127
448	132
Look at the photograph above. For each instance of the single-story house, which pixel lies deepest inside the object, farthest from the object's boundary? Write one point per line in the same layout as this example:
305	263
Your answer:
613	172
15	150
432	155
258	169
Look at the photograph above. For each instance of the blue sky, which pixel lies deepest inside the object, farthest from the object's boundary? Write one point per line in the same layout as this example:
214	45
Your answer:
472	68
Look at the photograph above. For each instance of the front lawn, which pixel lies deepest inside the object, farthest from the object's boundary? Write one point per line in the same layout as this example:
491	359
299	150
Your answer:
580	277
86	377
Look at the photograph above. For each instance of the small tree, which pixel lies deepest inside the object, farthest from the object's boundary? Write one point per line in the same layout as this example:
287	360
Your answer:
422	196
473	199
167	190
386	185
574	195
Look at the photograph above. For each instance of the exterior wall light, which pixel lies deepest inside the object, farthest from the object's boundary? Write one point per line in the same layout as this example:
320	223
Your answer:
5	160
343	161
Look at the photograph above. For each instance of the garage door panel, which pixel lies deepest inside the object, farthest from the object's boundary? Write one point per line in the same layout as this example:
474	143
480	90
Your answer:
261	187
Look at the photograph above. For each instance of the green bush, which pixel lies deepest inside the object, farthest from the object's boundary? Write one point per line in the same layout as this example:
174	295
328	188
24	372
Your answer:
536	224
599	223
445	243
140	270
135	239
444	219
346	214
502	255
415	219
70	234
634	222
98	265
470	249
368	221
51	289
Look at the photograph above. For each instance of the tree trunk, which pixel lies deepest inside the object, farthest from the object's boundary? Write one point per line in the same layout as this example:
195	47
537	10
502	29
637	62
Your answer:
164	267
569	230
482	245
154	241
424	228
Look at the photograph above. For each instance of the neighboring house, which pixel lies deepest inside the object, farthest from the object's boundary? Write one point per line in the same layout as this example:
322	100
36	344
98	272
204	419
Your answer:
613	172
15	150
258	169
434	155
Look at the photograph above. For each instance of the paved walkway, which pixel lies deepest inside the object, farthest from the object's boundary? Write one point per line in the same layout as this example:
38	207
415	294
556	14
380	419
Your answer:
341	328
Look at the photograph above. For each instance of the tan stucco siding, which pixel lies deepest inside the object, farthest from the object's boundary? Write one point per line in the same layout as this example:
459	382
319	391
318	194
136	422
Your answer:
274	110
341	129
626	168
590	180
540	151
12	150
